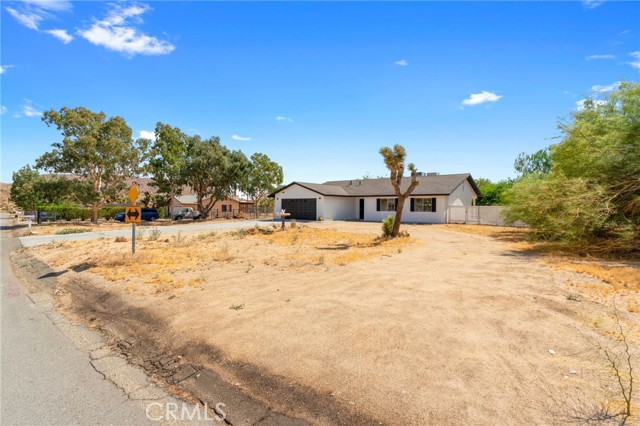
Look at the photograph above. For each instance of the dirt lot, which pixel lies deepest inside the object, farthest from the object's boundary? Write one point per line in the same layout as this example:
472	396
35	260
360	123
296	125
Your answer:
449	326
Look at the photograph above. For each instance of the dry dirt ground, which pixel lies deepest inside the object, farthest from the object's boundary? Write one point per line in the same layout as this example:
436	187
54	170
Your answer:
446	327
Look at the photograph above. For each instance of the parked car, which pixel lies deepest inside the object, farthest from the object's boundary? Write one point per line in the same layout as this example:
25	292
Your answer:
148	215
186	213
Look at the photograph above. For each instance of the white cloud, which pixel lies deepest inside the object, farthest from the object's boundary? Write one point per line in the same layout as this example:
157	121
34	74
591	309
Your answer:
146	134
481	98
55	5
61	35
116	32
592	4
283	118
240	138
4	68
28	110
605	89
594	57
636	62
402	62
3	110
31	13
28	19
580	104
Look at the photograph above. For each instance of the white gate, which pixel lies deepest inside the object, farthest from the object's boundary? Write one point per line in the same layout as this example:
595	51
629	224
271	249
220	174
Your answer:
478	215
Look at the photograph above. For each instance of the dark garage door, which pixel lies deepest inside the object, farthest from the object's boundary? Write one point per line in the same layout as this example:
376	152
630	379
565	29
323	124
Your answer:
300	208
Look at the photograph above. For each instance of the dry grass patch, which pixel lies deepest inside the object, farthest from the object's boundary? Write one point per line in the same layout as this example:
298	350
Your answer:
620	278
329	246
193	261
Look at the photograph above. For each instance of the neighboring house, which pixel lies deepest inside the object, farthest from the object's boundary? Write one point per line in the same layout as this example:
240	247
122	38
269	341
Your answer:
375	199
227	207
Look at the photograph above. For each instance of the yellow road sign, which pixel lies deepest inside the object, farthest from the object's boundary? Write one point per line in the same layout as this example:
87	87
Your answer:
132	214
133	194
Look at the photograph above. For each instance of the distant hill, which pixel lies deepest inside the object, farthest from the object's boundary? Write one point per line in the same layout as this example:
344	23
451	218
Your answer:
5	204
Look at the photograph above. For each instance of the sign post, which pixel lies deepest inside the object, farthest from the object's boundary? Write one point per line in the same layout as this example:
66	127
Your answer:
133	215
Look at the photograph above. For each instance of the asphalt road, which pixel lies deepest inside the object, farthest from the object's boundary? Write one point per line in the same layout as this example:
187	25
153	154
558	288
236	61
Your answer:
44	378
164	230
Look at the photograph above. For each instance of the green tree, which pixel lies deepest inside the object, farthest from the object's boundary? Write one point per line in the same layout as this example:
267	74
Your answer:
538	162
394	160
213	171
30	189
167	161
99	151
263	177
26	189
493	192
593	188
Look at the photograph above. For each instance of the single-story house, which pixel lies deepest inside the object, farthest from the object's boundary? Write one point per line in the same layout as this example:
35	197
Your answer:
375	199
230	206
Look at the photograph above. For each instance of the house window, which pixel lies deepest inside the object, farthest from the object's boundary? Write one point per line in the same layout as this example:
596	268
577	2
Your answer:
387	204
423	204
226	208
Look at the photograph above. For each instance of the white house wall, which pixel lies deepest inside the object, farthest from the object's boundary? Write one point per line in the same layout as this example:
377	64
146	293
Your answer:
339	208
372	215
463	195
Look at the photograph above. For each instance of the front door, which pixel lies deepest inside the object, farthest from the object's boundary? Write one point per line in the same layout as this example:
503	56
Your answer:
361	209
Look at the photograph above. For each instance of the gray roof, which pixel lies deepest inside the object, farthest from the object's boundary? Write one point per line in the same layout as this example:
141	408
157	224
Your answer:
429	185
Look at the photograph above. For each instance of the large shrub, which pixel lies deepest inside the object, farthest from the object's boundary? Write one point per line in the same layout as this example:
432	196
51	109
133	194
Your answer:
560	208
592	187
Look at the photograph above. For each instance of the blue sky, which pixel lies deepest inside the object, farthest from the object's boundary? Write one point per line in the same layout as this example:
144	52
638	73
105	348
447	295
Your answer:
318	86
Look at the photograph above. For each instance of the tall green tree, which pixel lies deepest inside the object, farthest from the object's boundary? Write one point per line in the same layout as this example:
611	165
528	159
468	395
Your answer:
537	163
100	152
262	177
492	192
394	160
26	189
213	171
593	188
167	161
30	189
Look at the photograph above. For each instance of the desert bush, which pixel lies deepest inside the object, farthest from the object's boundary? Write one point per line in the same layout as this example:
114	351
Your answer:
65	231
387	226
154	234
140	233
121	239
179	239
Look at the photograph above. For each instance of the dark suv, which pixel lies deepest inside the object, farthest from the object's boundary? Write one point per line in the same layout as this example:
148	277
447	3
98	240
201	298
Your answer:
147	214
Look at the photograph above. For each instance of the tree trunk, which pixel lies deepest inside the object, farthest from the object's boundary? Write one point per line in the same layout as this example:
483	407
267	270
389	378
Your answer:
94	213
398	218
172	192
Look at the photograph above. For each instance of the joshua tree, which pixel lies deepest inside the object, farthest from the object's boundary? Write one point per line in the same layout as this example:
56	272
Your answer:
394	160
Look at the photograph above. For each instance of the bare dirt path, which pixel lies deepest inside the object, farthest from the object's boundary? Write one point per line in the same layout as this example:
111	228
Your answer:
454	330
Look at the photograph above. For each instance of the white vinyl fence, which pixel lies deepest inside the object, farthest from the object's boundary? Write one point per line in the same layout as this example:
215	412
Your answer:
478	215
